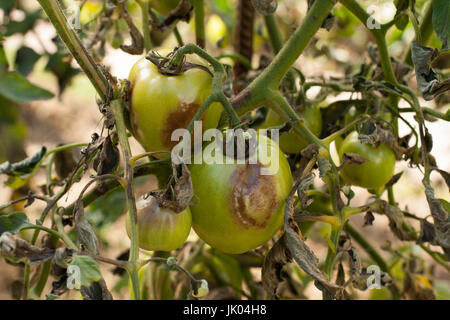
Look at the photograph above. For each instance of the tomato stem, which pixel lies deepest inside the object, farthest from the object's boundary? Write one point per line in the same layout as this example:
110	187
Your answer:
117	108
54	12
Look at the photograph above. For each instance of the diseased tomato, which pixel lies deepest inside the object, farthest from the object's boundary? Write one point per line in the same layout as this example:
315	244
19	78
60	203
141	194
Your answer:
372	174
161	104
291	142
238	208
160	228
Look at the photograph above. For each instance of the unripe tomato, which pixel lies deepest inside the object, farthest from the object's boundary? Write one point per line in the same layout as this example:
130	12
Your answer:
350	115
164	6
237	207
216	31
372	174
161	104
291	142
160	228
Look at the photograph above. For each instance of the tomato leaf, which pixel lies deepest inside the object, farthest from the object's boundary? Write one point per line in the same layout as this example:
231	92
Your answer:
427	81
13	222
18	250
88	270
441	21
84	230
17	88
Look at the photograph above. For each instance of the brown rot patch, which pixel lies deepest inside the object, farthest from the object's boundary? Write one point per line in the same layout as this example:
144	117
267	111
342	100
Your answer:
253	196
178	119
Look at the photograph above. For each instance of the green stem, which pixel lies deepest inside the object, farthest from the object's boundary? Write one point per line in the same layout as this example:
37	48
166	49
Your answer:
54	12
258	92
289	53
425	30
145	24
117	107
177	34
276	40
199	13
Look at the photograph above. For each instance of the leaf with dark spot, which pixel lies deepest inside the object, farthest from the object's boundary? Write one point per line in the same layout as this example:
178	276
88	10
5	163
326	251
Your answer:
84	230
108	159
427	81
277	257
394	179
96	291
353	158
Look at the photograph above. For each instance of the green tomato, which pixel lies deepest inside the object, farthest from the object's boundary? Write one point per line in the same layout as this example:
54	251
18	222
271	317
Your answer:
216	31
161	104
164	6
160	228
350	115
238	208
372	174
291	142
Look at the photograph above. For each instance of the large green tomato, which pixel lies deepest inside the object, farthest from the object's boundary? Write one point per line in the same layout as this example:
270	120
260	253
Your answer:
238	208
372	174
161	104
291	142
160	228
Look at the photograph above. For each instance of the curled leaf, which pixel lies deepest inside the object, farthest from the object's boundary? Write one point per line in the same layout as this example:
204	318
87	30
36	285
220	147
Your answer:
427	81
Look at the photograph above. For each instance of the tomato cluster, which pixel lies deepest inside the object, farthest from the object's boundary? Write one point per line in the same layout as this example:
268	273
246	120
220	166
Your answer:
235	207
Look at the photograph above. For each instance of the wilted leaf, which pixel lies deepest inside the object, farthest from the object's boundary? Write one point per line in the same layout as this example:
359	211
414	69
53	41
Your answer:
96	291
25	166
18	250
265	7
394	179
427	81
353	158
300	252
108	159
84	230
183	190
369	218
275	260
64	163
13	222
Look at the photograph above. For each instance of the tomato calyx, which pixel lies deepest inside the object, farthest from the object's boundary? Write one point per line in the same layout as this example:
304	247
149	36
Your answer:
165	66
179	191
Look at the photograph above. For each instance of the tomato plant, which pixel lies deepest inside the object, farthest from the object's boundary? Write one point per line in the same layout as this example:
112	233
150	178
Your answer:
242	218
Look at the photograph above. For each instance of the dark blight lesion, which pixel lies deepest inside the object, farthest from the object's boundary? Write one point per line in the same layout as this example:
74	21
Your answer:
253	196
